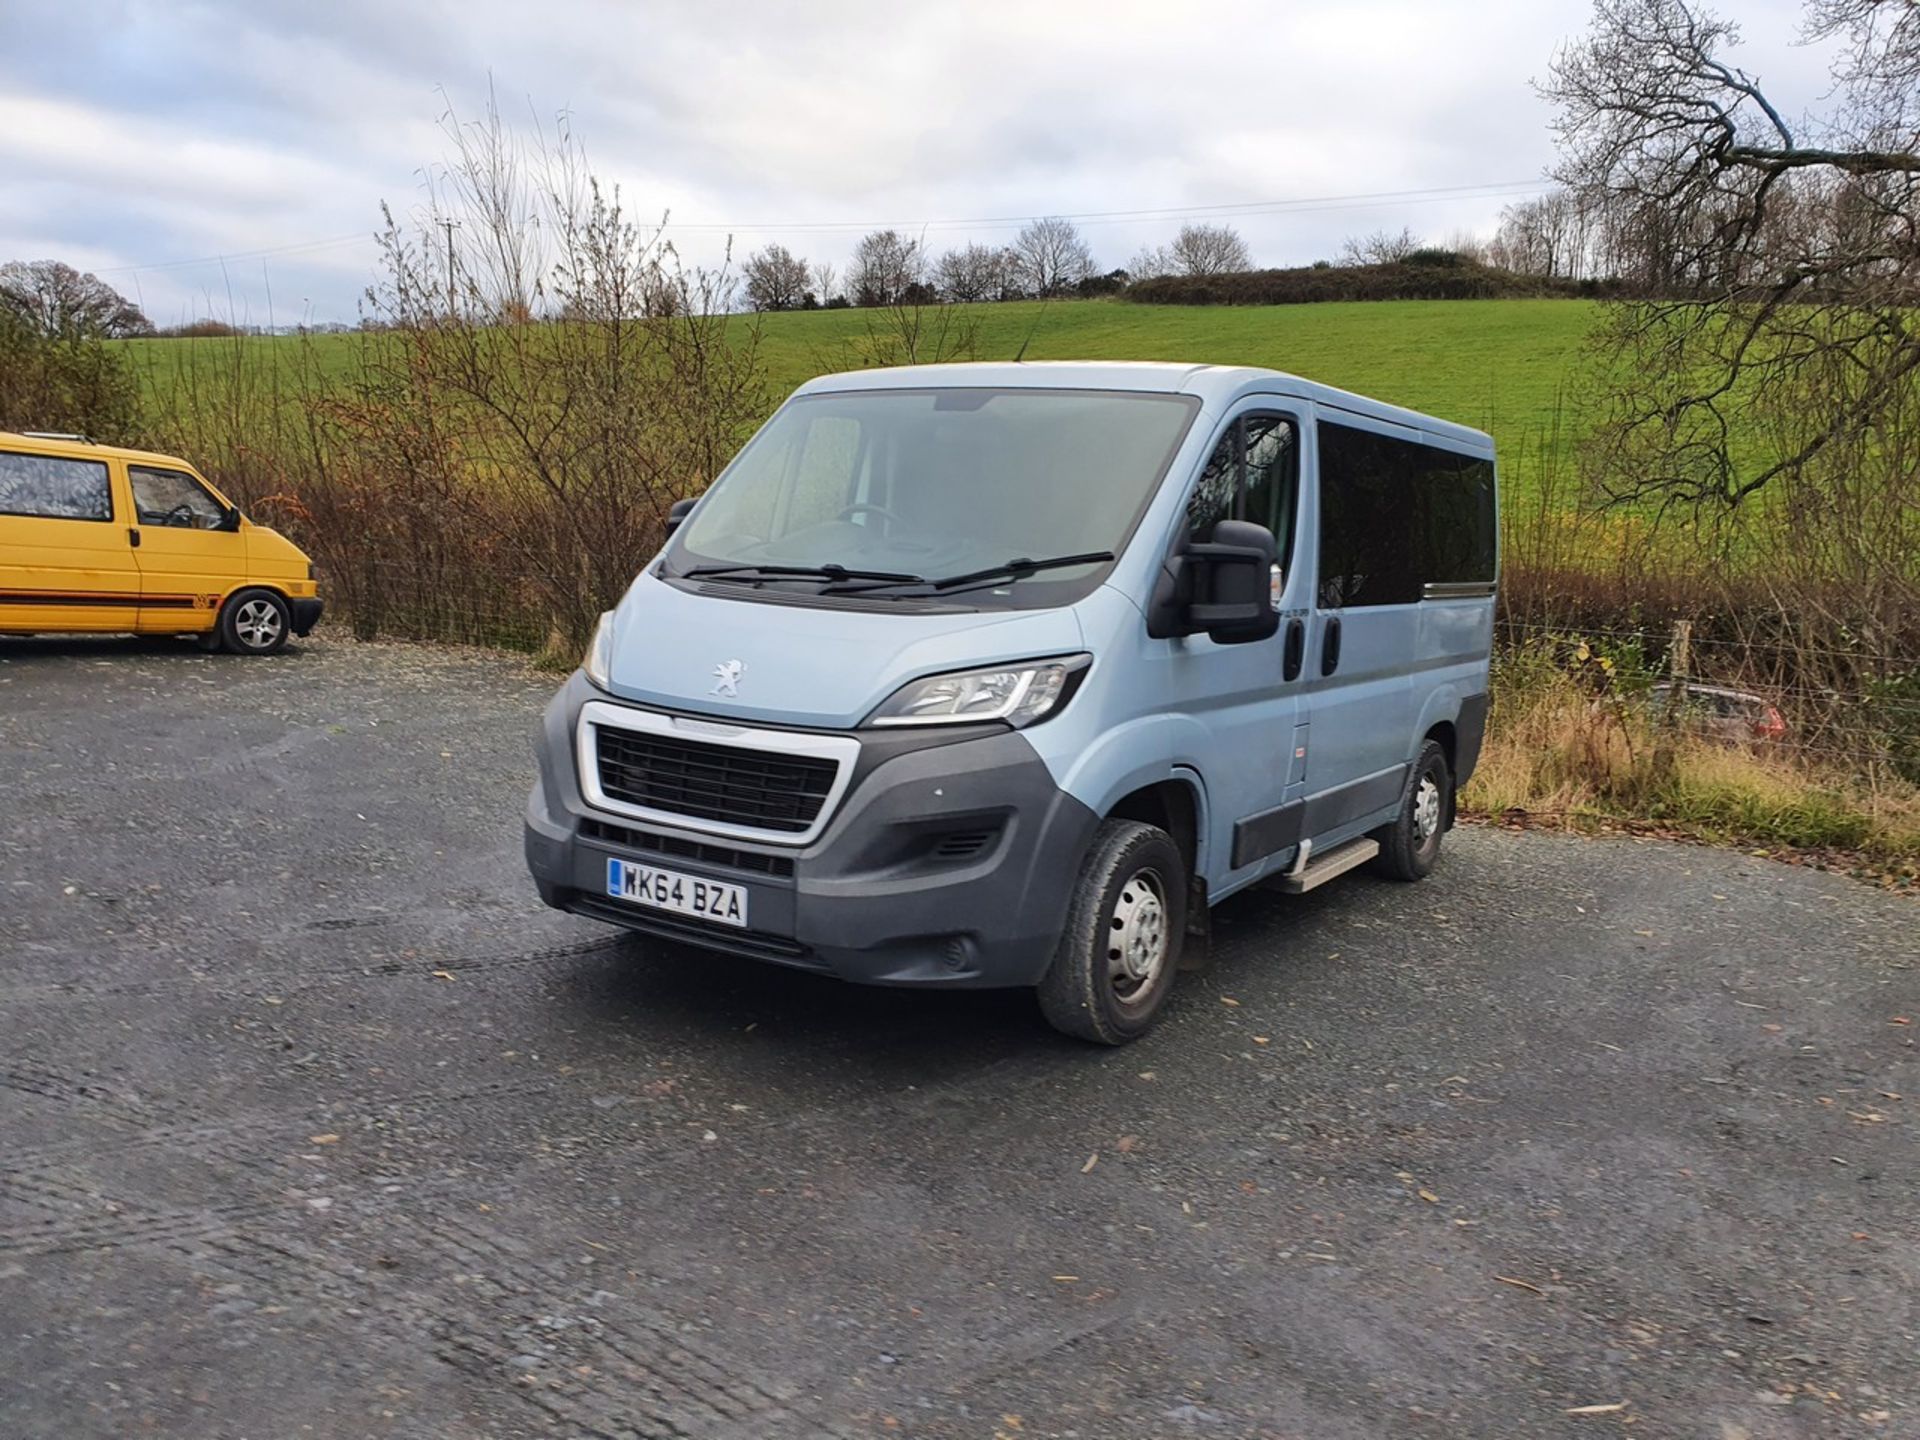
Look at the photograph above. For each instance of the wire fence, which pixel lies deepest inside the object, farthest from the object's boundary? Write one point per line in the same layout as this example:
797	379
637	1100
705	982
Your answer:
1854	709
444	604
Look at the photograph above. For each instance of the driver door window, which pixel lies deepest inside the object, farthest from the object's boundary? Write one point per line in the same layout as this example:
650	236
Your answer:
1253	474
174	498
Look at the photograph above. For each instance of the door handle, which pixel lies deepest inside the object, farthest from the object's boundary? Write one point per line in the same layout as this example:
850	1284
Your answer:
133	536
1330	646
1296	652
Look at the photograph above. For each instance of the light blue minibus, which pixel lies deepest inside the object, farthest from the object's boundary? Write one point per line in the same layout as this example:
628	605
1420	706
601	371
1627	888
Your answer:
1003	674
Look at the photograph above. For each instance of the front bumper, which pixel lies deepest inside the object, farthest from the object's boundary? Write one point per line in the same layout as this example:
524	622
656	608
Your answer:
899	889
306	614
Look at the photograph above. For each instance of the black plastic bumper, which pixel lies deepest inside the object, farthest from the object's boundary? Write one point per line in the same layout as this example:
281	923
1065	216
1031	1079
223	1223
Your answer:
306	614
948	863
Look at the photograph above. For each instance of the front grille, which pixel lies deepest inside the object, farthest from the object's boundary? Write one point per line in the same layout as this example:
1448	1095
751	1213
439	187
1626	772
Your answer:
779	866
759	789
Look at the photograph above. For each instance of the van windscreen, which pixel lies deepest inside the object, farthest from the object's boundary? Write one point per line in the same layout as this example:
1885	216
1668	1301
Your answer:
938	483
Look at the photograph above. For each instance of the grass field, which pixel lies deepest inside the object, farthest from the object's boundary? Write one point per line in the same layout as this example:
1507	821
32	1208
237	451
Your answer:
1496	364
1506	366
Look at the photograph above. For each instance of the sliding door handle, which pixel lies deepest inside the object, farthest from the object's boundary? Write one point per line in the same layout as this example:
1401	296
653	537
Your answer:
1330	646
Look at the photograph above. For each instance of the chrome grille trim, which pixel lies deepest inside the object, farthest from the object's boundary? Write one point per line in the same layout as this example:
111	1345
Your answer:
843	750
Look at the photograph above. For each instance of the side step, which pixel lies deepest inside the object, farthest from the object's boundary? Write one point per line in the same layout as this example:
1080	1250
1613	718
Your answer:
1318	869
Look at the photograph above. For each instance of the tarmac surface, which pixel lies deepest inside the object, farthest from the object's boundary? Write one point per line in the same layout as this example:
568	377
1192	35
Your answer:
314	1123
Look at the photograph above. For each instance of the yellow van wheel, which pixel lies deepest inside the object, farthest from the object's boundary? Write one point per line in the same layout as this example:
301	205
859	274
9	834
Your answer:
254	622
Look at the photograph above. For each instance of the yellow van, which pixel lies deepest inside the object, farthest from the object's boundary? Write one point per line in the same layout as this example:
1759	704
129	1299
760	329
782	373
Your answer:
94	537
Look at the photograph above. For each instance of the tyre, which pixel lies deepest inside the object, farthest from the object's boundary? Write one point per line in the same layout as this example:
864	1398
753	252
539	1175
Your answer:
254	622
1117	955
1411	844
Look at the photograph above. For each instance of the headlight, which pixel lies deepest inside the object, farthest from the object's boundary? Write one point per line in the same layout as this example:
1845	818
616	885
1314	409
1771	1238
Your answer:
599	651
1018	694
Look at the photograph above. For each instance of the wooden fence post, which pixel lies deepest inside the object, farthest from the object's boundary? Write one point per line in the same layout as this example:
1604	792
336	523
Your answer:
1679	662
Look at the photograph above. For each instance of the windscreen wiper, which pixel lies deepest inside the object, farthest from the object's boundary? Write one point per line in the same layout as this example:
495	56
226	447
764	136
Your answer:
835	573
1019	569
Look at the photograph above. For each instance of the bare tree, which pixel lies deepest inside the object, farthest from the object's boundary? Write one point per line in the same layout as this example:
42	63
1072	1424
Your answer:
1546	235
1469	245
1010	283
826	282
973	273
1796	251
57	301
1150	262
1210	250
885	264
1382	247
776	279
494	249
1051	257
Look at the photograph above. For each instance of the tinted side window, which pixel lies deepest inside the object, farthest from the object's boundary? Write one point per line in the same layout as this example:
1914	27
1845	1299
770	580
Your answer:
1396	516
1272	490
54	486
1455	521
1213	495
1253	474
1366	521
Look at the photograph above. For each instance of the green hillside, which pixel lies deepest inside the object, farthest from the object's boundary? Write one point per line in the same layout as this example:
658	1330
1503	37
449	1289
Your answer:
1497	364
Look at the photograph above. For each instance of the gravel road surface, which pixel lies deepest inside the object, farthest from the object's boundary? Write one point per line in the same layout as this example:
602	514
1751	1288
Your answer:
314	1123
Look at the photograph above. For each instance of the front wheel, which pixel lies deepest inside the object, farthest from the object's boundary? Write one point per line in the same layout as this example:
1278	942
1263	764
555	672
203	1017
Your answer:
1410	846
1121	945
254	622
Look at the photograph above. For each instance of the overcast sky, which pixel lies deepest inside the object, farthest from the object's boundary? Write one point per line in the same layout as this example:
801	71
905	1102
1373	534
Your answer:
147	140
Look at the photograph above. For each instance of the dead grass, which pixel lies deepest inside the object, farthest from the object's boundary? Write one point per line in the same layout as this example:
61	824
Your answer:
1563	750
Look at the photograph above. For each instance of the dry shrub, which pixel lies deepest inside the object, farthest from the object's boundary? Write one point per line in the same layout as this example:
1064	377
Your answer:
1570	741
539	381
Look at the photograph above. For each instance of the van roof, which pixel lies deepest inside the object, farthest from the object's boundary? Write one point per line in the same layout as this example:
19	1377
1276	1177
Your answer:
70	445
1214	385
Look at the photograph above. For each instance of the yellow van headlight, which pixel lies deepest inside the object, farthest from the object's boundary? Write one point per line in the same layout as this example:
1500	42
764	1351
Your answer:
1018	694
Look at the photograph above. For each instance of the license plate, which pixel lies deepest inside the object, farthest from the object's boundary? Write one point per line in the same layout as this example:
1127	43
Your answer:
682	894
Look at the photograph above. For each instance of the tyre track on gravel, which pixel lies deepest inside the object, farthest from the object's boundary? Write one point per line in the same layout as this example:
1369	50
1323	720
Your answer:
289	982
206	1138
605	1366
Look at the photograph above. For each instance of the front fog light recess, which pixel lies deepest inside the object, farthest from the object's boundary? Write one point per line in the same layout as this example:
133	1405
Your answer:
1018	694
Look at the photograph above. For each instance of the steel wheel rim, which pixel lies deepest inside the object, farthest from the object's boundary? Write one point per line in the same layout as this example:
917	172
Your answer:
1426	810
1136	936
257	623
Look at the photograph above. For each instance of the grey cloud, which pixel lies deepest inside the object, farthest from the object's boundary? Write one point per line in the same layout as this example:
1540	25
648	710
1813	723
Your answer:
226	126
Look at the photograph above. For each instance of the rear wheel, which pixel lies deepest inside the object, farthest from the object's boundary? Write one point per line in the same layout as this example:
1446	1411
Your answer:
1117	955
1410	846
254	622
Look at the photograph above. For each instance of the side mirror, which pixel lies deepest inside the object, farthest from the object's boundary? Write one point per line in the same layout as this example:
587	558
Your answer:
679	511
231	520
1233	589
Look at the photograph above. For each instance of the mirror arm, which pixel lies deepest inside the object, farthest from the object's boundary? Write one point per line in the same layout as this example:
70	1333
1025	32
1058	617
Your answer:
1167	617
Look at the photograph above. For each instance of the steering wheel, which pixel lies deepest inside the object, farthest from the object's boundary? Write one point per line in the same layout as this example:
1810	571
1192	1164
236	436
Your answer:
868	507
181	515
